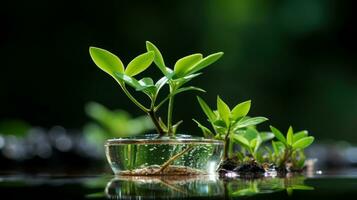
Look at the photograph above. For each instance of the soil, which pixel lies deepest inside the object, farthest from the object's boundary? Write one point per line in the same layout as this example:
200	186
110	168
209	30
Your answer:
156	170
247	170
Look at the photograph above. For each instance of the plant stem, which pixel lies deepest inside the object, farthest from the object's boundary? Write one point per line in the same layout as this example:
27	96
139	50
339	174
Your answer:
287	154
230	149
169	113
154	119
173	158
133	99
226	144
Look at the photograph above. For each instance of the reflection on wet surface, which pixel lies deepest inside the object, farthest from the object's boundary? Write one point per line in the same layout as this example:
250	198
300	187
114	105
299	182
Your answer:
328	185
202	186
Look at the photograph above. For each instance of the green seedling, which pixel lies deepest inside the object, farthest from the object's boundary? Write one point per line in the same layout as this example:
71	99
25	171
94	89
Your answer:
184	70
227	124
290	149
251	141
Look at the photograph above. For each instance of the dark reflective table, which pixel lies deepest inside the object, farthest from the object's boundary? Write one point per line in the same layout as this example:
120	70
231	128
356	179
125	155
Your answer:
325	185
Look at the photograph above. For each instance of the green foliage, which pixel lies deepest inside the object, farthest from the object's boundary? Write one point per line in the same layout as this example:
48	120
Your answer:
139	64
290	149
251	141
235	127
232	125
112	123
184	71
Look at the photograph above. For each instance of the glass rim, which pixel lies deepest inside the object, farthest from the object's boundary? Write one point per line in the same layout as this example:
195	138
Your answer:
119	141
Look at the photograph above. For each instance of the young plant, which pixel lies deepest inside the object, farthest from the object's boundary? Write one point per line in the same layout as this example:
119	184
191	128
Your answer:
290	149
251	141
184	70
227	123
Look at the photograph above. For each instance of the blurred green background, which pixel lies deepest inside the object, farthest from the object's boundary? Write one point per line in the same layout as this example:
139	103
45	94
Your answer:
296	59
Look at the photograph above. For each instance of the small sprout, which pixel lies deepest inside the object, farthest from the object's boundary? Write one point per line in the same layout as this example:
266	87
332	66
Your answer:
227	124
290	149
251	141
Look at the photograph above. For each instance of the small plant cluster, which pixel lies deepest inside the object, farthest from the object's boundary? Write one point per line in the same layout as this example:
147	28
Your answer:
184	70
235	128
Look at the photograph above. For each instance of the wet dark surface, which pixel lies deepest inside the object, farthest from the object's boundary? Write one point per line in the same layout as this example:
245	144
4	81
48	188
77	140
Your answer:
325	185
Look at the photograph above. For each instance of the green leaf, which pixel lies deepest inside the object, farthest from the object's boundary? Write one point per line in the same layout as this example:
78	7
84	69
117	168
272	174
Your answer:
220	124
205	62
223	110
147	86
180	81
278	134
106	61
206	132
266	136
175	126
161	82
278	147
185	63
301	162
250	134
245	122
128	80
241	110
290	136
206	109
303	143
147	81
240	139
162	124
184	89
158	60
253	143
139	63
299	135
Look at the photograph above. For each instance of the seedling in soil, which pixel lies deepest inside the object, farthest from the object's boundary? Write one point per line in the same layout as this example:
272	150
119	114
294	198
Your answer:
251	141
288	152
227	124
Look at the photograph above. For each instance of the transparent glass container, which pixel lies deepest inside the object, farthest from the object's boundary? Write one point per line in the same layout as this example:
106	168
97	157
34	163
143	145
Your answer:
150	155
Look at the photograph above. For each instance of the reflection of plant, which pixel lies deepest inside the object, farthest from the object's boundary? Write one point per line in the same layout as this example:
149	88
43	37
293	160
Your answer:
184	70
228	124
241	187
290	149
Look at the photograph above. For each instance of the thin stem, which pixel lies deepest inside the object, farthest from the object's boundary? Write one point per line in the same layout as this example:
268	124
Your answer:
161	103
169	112
287	154
230	149
154	119
133	99
226	144
150	112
